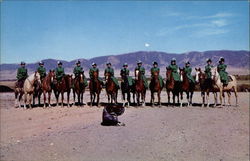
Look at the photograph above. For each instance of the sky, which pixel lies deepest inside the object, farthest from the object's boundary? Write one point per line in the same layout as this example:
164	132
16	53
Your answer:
68	30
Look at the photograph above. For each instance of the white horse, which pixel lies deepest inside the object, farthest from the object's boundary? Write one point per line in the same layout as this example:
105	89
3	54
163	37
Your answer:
232	86
28	87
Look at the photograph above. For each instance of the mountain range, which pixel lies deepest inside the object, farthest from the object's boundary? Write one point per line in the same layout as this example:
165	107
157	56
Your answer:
237	61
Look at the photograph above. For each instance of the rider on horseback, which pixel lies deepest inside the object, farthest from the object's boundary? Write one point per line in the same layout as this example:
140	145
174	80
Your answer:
59	71
94	69
41	70
156	69
142	71
222	71
78	70
188	71
125	72
110	70
208	74
22	74
174	69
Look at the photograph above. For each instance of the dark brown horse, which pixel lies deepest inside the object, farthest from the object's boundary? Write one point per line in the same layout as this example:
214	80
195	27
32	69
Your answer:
206	86
37	92
127	89
140	88
63	86
95	88
186	86
111	89
155	87
79	88
172	86
47	86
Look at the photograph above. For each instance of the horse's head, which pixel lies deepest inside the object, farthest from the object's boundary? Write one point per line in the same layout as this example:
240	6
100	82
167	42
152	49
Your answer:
182	73
95	74
37	77
107	76
199	75
137	74
168	74
214	73
81	77
52	75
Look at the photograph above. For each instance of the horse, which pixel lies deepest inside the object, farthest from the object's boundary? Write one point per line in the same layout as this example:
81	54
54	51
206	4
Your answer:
18	95
79	88
232	86
172	86
28	87
111	89
155	86
37	92
140	88
126	89
95	88
47	86
186	86
205	87
61	87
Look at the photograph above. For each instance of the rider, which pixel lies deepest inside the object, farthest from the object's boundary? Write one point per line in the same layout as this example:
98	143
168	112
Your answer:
22	74
142	71
188	71
110	70
77	70
59	71
41	70
156	69
222	71
208	68
94	69
174	69
125	71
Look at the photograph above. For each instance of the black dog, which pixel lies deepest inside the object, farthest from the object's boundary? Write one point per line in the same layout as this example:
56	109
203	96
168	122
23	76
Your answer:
110	115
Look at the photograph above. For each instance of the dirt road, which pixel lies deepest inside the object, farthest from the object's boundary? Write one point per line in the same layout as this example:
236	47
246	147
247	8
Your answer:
151	134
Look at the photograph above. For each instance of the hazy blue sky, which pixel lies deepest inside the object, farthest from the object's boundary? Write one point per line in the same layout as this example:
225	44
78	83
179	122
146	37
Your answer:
68	30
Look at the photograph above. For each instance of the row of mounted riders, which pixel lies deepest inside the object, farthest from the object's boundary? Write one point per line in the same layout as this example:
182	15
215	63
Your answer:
212	80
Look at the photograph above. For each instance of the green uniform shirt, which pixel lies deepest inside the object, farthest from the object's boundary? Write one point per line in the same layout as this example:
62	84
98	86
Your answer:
208	70
124	71
78	70
109	70
154	69
222	72
22	73
175	73
91	70
188	71
141	69
41	71
59	72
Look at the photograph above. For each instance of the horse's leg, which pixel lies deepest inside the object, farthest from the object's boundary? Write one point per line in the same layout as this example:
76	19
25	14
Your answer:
19	99
224	99
143	98
25	100
152	99
49	97
30	99
68	93
173	98
203	98
221	96
62	95
208	99
187	92
98	98
128	98
16	100
74	97
159	98
33	100
57	97
215	99
236	96
91	99
168	92
123	98
229	95
181	93
138	99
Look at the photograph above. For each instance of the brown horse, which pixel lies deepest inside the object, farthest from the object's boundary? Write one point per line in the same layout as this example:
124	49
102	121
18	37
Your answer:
79	88
111	89
206	86
63	86
47	86
186	86
140	88
127	89
95	88
37	92
155	86
172	86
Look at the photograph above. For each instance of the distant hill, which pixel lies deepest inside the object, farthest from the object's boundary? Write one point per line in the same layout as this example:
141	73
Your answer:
238	61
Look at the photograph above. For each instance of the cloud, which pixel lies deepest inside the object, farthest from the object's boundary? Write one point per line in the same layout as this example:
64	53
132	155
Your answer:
219	23
147	44
209	32
217	15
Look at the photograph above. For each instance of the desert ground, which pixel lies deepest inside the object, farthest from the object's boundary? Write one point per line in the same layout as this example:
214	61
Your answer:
167	133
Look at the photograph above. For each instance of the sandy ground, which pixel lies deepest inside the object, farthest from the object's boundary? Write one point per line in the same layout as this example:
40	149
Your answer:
151	134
